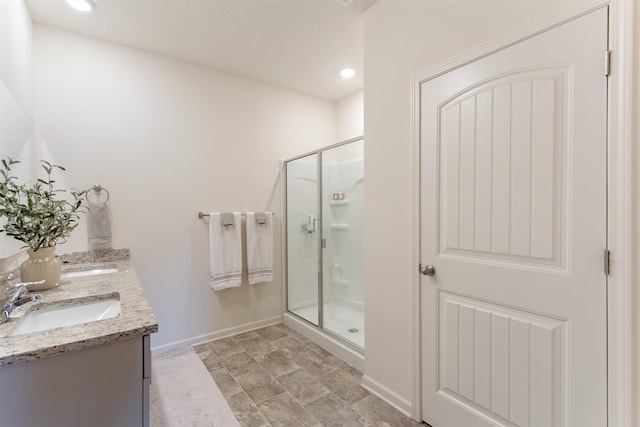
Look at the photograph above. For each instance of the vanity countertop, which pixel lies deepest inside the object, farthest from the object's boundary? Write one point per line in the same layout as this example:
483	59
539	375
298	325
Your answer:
136	317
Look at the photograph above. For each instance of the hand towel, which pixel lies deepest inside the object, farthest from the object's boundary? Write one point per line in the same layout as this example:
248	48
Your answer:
98	223
259	248
225	251
227	218
261	217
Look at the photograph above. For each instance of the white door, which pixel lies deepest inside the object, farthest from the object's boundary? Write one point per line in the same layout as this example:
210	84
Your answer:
513	219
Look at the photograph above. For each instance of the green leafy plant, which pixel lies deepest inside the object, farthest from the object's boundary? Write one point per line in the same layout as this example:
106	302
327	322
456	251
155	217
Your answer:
36	214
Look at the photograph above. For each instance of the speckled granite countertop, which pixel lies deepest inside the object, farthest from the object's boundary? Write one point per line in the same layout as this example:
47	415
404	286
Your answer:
136	317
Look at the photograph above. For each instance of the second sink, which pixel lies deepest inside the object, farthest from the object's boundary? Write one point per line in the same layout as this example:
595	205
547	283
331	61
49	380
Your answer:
88	272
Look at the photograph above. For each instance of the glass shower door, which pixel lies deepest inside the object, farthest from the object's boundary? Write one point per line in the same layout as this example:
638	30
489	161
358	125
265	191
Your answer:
324	221
303	237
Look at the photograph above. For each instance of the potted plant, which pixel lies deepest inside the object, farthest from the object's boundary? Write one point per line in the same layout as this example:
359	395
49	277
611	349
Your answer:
37	215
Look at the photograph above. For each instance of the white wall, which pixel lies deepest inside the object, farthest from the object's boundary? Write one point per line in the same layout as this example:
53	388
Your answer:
169	139
16	68
16	98
350	117
403	38
635	397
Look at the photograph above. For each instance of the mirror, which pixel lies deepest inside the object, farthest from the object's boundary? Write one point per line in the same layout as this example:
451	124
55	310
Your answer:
16	140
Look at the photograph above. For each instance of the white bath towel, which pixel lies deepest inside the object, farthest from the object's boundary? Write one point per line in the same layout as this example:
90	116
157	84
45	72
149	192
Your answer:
259	249
225	252
98	223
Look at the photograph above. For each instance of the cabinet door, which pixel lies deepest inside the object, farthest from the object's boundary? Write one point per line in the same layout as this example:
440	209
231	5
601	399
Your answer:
146	379
98	387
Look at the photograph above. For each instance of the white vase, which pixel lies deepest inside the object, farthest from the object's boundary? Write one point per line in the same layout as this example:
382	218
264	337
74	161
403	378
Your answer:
41	265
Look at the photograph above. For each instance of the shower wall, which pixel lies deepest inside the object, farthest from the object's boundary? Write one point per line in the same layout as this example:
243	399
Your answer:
342	224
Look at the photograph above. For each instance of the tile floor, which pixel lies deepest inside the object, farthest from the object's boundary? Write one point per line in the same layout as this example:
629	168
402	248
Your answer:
276	377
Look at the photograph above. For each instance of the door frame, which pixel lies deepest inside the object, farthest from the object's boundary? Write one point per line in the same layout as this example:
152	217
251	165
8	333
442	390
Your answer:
621	228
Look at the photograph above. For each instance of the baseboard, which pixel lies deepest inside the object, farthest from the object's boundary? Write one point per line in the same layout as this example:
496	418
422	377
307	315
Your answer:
218	334
392	398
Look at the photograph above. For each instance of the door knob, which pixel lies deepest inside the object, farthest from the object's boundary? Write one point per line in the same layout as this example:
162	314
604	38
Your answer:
428	270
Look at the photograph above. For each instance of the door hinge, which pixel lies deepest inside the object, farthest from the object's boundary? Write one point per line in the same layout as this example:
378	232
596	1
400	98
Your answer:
607	261
607	62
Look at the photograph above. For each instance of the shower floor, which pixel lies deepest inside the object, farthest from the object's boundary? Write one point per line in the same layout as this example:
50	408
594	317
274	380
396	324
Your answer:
342	318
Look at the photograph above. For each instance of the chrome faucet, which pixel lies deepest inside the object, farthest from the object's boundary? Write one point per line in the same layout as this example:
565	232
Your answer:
16	299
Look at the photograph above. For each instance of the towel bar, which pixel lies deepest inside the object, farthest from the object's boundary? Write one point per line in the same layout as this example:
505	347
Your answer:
97	189
202	214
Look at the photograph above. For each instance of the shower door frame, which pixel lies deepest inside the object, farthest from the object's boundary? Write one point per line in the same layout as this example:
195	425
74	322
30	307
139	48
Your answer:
321	240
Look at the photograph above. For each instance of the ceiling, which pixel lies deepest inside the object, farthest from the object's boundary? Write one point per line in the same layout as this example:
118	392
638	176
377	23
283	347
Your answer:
295	44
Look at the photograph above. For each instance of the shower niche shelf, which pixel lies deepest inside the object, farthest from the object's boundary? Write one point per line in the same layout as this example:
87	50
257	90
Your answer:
339	226
340	202
341	282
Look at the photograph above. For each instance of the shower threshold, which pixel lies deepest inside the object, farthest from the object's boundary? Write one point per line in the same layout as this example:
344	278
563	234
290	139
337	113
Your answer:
329	341
341	318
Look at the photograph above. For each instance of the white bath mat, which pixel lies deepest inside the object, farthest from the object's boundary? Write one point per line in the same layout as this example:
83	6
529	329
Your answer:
184	394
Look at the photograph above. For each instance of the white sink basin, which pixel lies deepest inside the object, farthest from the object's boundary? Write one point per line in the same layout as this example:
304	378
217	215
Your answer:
68	314
92	272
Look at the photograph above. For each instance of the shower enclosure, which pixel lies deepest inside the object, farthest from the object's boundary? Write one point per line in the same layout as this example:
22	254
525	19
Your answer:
324	217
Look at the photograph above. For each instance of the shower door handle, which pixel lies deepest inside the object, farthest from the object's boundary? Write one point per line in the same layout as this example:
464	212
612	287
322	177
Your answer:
427	270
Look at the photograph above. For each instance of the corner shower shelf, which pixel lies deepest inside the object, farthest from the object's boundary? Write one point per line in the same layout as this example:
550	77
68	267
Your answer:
340	202
343	282
339	226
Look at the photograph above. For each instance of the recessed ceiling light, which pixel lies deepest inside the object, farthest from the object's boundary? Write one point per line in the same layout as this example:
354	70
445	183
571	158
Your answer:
347	73
82	5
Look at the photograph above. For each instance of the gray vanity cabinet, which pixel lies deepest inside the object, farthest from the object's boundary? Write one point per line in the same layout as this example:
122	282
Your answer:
103	386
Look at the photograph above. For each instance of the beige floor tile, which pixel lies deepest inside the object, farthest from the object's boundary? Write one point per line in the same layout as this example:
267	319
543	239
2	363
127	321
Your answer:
272	332
211	361
304	387
379	413
277	363
227	385
260	386
201	348
256	345
275	377
245	335
313	363
240	363
284	411
224	347
332	411
246	411
345	385
289	345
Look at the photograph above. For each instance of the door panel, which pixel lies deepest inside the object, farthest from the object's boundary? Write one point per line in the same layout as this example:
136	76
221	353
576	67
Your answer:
499	361
513	194
504	204
302	237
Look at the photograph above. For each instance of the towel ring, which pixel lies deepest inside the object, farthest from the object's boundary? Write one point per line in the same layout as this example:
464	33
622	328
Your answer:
97	189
